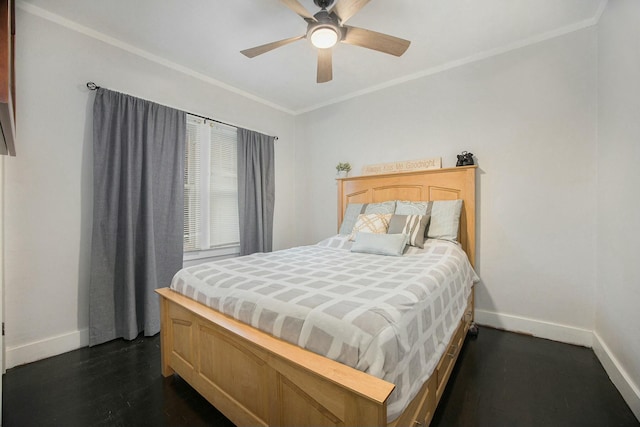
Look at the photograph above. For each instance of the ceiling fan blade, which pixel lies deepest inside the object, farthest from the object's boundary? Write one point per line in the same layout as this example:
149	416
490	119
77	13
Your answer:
259	50
345	9
376	41
325	67
298	8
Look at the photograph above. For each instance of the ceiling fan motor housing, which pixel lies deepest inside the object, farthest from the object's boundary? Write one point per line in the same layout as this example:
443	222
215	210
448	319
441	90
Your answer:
323	4
325	19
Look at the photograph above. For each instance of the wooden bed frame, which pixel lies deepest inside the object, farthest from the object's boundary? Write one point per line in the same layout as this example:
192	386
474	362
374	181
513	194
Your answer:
256	379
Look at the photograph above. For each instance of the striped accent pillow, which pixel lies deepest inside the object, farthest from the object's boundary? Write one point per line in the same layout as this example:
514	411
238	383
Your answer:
371	223
411	225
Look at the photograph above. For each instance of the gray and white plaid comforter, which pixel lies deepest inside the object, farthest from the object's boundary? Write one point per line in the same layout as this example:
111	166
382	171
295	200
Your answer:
387	316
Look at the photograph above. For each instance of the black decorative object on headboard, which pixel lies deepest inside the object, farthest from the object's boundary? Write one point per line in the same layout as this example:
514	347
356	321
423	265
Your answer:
465	159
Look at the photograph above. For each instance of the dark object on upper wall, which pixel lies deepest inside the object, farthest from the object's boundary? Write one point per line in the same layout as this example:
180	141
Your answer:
7	78
465	159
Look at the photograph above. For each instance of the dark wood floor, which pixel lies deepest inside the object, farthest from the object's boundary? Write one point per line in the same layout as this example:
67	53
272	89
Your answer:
501	379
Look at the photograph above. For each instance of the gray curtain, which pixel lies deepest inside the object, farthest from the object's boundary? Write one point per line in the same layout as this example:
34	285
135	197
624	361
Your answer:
256	191
138	169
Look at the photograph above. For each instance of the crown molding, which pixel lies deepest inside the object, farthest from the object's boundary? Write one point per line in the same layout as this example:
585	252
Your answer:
600	11
74	26
468	60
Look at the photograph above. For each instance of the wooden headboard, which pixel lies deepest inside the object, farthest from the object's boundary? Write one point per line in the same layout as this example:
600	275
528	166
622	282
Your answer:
434	184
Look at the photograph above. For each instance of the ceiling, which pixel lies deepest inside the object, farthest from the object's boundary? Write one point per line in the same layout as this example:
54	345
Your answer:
207	36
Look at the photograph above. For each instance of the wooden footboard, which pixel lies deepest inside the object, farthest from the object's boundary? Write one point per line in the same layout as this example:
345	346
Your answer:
256	379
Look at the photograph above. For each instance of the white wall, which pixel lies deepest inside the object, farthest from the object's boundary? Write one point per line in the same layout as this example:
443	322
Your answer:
530	117
49	184
2	368
557	164
618	277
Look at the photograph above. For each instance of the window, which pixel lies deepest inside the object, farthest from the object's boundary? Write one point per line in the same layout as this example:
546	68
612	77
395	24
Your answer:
210	186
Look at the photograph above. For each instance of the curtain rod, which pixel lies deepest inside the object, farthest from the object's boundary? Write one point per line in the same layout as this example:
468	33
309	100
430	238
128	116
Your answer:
93	86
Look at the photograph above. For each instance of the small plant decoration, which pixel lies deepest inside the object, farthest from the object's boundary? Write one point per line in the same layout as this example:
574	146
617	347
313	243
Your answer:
343	169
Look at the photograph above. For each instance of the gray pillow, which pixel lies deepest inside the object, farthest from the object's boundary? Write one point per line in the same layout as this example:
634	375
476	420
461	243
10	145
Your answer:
380	208
350	217
412	225
380	244
354	209
413	208
445	220
445	216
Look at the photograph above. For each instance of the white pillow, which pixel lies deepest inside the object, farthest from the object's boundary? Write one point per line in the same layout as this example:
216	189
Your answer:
380	244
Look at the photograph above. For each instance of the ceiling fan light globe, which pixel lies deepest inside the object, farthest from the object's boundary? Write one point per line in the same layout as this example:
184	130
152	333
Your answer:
324	37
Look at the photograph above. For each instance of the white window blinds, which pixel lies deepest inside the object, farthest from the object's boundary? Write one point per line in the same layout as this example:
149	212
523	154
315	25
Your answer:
223	182
211	186
192	200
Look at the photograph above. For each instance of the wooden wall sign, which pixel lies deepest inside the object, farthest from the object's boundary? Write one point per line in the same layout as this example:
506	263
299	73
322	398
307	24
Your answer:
403	166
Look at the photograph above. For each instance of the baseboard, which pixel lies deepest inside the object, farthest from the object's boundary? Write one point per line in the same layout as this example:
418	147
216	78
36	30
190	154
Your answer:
628	389
48	347
535	327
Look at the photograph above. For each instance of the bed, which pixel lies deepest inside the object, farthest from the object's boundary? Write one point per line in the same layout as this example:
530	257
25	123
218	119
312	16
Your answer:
257	379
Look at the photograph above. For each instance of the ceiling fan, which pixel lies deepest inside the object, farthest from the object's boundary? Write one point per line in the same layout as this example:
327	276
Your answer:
326	28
